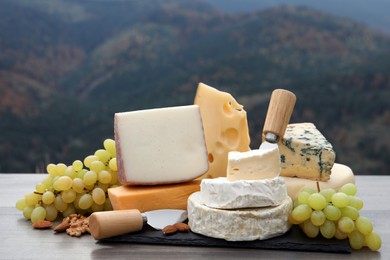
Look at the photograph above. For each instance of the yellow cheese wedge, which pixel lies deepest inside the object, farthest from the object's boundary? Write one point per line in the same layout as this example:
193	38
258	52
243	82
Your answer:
146	198
225	127
341	174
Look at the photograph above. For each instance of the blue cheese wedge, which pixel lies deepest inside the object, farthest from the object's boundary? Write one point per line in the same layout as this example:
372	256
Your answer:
305	153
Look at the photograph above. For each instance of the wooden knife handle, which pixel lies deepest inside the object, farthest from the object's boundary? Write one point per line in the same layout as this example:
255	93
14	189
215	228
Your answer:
106	224
279	112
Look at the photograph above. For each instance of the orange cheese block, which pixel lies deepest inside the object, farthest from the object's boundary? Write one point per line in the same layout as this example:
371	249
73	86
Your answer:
225	127
146	198
341	174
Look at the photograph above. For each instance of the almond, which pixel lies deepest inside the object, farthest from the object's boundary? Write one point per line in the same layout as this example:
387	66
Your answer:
62	226
169	230
182	227
41	224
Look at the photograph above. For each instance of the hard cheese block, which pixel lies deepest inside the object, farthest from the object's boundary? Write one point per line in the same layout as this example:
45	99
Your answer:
305	153
341	174
146	198
159	146
225	127
254	165
240	224
223	194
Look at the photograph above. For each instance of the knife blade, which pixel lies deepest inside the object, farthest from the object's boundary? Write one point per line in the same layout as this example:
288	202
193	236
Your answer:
279	112
107	224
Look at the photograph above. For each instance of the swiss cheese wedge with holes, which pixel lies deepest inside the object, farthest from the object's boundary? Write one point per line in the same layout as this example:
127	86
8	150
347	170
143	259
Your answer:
225	127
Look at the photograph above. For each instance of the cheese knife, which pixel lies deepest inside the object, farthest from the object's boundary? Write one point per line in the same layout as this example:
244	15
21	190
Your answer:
107	224
280	108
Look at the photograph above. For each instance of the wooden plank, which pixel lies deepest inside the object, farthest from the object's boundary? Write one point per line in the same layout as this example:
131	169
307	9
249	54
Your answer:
20	241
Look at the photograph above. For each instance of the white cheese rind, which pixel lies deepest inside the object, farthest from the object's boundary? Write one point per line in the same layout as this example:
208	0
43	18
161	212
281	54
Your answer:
305	153
341	174
254	165
223	194
240	224
160	146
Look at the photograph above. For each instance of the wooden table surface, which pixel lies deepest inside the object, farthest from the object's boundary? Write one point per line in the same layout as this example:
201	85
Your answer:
18	240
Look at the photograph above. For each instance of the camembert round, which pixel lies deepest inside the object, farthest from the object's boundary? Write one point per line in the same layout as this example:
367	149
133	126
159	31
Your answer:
239	224
242	193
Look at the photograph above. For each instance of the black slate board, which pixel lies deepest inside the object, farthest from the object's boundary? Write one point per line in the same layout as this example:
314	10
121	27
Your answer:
292	240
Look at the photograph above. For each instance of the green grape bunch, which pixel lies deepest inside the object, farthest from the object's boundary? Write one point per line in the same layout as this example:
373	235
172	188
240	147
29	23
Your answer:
77	188
336	214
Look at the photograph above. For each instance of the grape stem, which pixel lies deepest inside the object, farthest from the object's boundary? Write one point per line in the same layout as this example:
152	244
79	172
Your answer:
318	186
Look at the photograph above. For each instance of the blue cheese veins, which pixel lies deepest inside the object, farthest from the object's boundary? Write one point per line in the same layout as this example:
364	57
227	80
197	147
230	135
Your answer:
305	153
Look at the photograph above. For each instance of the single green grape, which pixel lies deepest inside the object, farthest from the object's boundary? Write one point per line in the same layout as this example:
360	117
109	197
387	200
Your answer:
32	198
40	188
21	204
51	169
332	213
60	204
109	145
346	225
309	229
77	165
340	199
70	172
364	225
63	183
38	213
104	177
303	197
48	197
317	217
51	212
98	196
89	159
68	196
355	202
78	185
103	155
349	189
97	166
301	213
317	201
356	240
27	211
90	178
85	201
112	164
350	212
340	235
328	229
373	241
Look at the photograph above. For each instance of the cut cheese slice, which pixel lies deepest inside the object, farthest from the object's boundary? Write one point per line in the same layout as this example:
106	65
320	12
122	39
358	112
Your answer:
238	225
146	198
225	127
341	174
160	146
223	194
254	165
305	153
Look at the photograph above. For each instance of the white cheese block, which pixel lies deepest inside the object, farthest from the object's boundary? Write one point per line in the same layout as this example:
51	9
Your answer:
341	174
223	194
254	165
240	224
305	153
160	146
